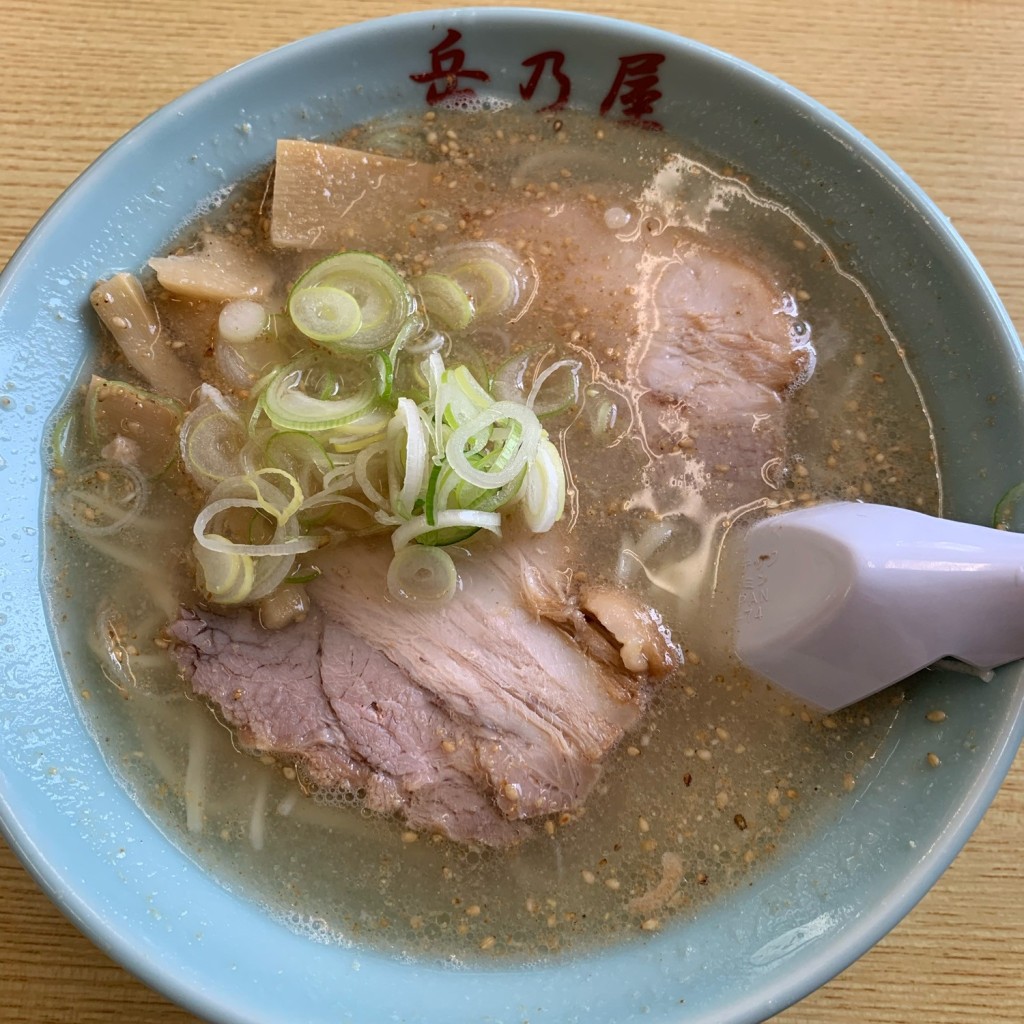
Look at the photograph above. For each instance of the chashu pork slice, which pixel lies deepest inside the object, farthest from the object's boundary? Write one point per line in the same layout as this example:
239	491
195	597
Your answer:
466	719
704	342
545	713
320	698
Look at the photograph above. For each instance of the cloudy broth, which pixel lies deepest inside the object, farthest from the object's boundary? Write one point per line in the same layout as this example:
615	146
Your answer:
722	775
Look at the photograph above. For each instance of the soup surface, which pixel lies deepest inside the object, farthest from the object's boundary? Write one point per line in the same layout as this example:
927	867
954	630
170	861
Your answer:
721	774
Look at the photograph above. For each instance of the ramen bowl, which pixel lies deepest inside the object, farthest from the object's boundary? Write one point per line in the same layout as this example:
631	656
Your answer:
757	948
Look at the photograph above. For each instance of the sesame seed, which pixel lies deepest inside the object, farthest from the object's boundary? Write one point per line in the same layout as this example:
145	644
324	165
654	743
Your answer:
936	716
934	760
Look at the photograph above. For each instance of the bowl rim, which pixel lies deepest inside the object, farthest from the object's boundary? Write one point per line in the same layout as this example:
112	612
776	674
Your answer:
103	929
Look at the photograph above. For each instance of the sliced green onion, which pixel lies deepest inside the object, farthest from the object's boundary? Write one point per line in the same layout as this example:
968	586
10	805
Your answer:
466	386
490	500
272	499
301	455
451	492
427	342
408	457
417	527
289	406
385	370
429	501
211	439
291	450
383	298
61	439
325	314
216	542
521	445
327	498
486	281
348	443
272	561
422	575
545	397
442	538
362	476
454	459
557	396
544	489
459	398
445	301
510	379
495	279
102	499
605	415
226	576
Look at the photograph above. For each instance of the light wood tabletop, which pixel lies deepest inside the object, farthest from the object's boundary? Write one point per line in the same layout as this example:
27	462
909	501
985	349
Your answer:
938	84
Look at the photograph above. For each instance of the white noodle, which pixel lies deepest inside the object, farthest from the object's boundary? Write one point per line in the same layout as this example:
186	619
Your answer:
152	579
195	773
257	822
152	748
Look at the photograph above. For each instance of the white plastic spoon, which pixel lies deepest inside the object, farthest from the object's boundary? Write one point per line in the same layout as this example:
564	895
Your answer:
841	600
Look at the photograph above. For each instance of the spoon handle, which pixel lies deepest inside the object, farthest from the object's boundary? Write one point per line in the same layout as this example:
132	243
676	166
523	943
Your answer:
841	600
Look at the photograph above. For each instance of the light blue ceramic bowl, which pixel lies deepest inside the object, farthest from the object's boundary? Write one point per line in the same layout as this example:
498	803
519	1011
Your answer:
124	884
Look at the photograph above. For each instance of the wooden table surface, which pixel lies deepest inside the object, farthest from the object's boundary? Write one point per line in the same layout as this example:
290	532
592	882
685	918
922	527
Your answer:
938	84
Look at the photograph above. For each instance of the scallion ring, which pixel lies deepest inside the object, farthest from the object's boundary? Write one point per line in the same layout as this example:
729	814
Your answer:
445	301
384	301
408	457
289	407
521	445
422	575
418	526
325	314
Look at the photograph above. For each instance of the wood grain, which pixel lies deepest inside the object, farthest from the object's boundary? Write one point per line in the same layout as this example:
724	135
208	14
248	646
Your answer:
936	83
